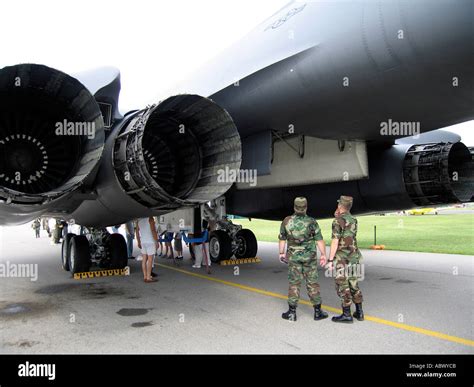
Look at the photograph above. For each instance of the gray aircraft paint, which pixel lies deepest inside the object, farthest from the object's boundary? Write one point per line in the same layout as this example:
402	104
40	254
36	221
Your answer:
291	69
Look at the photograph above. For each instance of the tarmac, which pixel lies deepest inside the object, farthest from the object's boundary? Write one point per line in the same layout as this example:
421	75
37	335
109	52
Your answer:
414	303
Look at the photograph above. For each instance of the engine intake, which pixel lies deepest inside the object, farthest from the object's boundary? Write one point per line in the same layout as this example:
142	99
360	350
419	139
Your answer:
51	134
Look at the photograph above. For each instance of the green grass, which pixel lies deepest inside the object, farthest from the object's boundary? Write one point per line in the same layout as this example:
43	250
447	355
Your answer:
451	234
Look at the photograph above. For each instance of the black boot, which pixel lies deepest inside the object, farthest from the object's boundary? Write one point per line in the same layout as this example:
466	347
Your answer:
359	313
345	317
291	314
318	313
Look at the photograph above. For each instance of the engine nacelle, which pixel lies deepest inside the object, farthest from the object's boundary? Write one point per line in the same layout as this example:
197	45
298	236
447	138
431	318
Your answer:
169	155
407	175
51	138
400	177
162	158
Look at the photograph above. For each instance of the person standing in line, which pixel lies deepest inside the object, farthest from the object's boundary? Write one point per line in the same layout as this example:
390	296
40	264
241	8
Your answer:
58	231
199	257
147	240
169	247
65	228
178	245
344	258
36	226
130	236
158	231
301	234
45	222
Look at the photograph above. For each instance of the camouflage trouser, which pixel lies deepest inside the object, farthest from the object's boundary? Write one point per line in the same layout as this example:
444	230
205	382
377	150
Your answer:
297	270
347	287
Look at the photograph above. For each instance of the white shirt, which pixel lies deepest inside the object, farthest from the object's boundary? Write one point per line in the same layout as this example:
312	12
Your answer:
145	231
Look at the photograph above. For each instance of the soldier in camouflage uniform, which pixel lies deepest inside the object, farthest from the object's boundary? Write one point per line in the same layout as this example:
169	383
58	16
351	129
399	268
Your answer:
301	233
346	255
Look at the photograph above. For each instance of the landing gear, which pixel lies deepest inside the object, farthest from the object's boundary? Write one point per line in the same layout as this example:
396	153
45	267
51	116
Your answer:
220	246
65	251
228	239
79	255
96	247
117	251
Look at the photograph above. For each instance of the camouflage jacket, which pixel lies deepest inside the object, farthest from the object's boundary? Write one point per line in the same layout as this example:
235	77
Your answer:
301	233
344	228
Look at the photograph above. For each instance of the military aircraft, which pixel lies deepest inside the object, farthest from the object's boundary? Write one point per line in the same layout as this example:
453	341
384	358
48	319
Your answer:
321	99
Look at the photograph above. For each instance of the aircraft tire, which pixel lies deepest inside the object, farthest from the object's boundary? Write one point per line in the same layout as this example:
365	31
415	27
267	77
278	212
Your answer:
118	251
79	255
220	246
66	250
248	245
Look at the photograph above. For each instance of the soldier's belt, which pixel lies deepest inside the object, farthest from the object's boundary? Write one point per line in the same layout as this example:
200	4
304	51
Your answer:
293	244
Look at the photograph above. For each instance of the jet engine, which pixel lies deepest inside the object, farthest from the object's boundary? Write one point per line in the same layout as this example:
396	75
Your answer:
167	156
401	176
410	175
51	136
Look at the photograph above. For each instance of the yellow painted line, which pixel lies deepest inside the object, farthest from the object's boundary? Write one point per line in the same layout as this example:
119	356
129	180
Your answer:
406	327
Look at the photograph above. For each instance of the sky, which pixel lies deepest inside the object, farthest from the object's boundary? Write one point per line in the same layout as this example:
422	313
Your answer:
154	43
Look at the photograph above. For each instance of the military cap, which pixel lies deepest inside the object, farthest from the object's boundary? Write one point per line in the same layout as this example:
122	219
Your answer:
346	201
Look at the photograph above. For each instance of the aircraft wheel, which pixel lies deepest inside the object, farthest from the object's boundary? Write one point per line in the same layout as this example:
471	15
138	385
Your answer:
247	244
79	255
65	250
118	251
220	246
